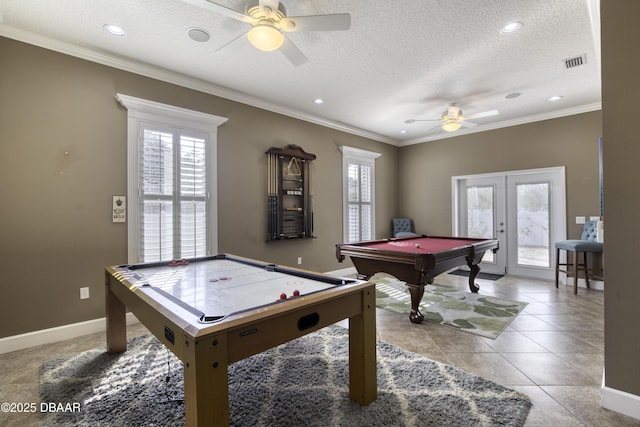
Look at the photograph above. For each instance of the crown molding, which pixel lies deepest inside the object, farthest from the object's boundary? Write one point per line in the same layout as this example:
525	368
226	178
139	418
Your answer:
508	123
179	79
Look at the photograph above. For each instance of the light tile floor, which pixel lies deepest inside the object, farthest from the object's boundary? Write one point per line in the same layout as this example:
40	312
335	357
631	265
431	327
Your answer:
553	352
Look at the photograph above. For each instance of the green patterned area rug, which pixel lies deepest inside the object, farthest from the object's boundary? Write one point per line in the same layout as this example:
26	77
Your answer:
476	313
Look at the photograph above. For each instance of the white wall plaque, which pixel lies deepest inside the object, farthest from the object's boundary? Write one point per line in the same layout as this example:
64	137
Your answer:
119	208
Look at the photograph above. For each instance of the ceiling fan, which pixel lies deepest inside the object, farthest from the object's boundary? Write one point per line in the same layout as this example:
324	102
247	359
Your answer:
269	23
453	119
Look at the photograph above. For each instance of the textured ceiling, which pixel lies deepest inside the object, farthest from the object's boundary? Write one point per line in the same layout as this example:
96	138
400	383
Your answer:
400	60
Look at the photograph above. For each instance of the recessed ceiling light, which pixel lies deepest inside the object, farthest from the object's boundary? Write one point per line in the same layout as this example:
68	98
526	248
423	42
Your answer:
511	27
555	98
114	30
403	131
318	101
198	35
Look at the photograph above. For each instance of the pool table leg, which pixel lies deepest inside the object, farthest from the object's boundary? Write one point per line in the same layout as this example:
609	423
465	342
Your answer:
475	269
416	291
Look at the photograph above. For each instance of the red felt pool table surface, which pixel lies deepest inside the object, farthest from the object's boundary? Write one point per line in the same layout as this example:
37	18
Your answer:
427	244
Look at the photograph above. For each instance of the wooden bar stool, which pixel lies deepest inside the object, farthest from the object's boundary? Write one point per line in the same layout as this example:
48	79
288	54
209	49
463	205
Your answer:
586	244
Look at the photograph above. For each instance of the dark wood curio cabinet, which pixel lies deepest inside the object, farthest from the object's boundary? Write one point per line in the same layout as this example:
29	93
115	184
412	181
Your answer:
289	193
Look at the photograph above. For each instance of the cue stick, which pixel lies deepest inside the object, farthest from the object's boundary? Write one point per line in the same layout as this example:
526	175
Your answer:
279	175
271	197
273	207
274	213
274	196
268	196
310	196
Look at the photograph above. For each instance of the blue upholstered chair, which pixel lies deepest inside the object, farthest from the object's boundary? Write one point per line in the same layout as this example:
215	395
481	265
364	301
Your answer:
586	244
402	227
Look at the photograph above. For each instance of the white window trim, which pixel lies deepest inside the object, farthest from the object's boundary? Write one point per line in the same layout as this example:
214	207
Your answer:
144	110
364	157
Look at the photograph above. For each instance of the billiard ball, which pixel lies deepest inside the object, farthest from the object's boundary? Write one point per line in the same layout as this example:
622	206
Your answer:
283	296
296	293
417	245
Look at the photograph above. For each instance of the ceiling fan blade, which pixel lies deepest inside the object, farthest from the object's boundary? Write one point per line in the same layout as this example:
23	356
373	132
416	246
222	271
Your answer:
272	4
468	124
230	42
483	114
421	120
222	10
334	22
292	53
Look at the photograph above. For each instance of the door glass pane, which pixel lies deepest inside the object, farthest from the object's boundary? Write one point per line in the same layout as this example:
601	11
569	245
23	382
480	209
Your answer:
480	214
533	224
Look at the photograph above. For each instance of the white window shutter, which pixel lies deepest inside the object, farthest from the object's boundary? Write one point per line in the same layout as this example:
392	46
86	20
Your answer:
172	183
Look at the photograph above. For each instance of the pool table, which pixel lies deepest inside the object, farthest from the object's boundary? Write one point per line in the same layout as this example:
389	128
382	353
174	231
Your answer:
417	260
213	311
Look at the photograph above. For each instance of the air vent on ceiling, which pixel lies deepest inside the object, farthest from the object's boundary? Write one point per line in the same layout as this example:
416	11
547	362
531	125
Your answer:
575	62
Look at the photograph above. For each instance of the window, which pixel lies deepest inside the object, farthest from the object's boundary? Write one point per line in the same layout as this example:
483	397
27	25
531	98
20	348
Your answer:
359	207
171	181
173	173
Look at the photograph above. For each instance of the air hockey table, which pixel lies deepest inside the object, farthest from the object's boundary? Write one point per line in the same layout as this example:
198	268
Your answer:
213	311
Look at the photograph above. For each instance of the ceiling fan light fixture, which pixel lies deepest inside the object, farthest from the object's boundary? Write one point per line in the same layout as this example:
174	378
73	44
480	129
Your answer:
451	125
264	36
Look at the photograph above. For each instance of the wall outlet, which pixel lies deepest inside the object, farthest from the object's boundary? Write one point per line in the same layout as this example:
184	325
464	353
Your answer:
580	220
84	293
594	218
299	260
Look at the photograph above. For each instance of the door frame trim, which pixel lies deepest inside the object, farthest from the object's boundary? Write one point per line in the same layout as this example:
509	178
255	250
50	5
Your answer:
561	229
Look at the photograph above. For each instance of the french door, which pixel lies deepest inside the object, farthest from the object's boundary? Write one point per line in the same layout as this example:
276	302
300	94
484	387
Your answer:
525	210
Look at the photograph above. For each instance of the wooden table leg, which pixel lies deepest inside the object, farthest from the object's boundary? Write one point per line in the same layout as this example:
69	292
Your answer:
116	320
363	387
206	382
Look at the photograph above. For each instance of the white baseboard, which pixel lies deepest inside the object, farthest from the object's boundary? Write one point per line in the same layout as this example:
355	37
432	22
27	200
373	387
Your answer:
593	284
59	333
620	401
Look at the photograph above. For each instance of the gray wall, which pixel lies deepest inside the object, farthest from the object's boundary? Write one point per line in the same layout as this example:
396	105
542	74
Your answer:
425	175
56	229
620	94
